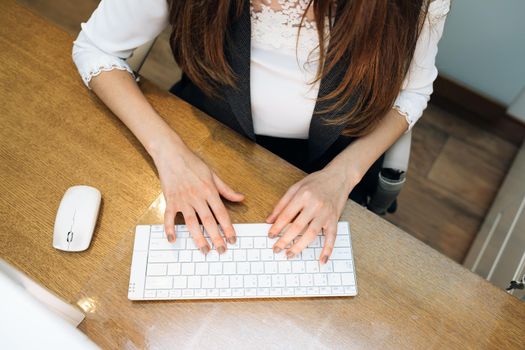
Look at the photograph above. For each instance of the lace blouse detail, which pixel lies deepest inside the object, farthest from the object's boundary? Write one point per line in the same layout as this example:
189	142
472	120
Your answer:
278	28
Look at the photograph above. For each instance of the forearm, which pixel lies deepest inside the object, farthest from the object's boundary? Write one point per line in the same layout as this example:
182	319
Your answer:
358	157
118	90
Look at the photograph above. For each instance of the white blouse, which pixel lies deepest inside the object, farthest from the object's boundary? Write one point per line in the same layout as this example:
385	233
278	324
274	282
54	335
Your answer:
282	98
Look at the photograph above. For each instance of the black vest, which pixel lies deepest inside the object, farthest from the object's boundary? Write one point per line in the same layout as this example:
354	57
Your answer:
234	109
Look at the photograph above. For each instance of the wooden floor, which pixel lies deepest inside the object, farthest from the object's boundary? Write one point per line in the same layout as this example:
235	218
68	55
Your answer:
455	171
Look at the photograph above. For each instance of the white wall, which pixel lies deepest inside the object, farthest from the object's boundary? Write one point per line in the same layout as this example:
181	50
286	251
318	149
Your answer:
483	47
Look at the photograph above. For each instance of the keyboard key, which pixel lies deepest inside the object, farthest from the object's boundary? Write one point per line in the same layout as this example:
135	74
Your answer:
271	241
243	268
280	256
298	267
154	282
194	282
201	268
250	281
350	289
222	282
198	256
157	228
150	294
187	292
187	269
212	292
312	266
342	266
320	279
263	292
227	256
200	292
212	256
208	282
275	291
300	291
308	254
175	293
236	281
190	244
317	252
238	292
325	290
179	281
239	255
254	255
185	256
270	267
334	279
326	267
229	268
174	269
259	242
246	242
257	267
342	241
157	269
306	280
264	281
250	292
225	292
288	291
163	293
341	253
278	281
266	254
292	280
285	267
163	256
163	244
347	279
312	290
215	268
338	290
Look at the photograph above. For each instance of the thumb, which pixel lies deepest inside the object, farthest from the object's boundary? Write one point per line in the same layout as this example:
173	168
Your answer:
226	191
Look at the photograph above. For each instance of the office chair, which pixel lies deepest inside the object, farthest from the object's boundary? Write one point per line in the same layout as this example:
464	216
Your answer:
395	165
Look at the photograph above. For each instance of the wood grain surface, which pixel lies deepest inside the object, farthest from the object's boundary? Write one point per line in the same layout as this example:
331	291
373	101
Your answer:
54	134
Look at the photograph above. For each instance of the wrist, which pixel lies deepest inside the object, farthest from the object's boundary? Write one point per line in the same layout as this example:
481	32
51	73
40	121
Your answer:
165	141
350	171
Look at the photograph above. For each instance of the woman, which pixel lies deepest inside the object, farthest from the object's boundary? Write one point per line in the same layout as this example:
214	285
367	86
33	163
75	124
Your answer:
327	85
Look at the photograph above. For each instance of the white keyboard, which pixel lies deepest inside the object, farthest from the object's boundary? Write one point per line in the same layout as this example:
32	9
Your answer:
248	269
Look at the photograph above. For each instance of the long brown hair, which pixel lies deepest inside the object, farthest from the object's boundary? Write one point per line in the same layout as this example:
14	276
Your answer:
374	39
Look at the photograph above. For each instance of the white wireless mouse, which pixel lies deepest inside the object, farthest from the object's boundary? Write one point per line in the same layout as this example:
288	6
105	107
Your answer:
76	218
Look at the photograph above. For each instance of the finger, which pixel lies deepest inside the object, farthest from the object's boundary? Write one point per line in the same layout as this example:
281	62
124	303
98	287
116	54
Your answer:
283	202
211	226
226	191
169	223
330	233
293	230
286	216
190	218
308	236
221	214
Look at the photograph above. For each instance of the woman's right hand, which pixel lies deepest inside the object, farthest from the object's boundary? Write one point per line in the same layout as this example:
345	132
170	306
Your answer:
192	188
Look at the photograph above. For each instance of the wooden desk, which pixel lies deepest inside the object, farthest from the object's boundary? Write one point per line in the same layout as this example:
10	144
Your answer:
54	134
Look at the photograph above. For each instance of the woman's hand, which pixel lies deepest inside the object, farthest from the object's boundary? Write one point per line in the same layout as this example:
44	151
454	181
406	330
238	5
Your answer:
190	187
312	205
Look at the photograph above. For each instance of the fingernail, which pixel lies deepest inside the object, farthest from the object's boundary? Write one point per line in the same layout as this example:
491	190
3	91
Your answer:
276	249
232	239
221	249
290	254
324	259
171	238
205	249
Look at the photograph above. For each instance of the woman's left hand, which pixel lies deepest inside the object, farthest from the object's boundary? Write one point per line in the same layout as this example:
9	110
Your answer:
312	205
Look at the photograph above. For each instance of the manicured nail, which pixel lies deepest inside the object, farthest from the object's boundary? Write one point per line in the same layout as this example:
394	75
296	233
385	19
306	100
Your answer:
290	254
221	249
171	238
232	239
205	249
276	249
324	259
